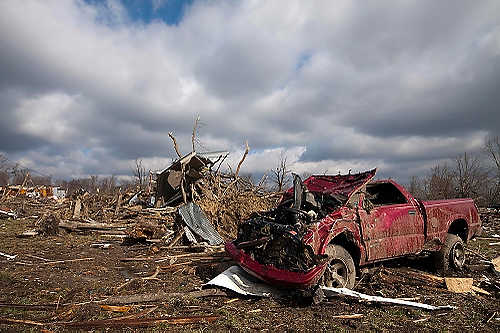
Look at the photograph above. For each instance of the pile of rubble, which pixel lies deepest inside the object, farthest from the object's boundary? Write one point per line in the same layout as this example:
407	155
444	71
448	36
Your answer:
189	201
490	216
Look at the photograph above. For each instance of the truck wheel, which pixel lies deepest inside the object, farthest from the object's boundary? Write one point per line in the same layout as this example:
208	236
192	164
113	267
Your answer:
451	255
340	271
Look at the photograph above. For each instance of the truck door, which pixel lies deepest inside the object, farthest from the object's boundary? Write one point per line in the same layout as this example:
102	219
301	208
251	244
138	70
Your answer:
392	224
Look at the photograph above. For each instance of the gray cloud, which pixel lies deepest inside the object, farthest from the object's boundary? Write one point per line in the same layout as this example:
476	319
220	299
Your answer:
84	90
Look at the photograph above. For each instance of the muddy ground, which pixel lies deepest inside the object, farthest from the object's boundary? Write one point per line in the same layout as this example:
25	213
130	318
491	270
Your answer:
68	289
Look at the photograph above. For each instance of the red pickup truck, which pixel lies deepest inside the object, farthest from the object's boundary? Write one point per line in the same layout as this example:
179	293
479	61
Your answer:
328	226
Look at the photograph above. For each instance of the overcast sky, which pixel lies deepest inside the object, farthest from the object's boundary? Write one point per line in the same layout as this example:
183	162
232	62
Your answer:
86	87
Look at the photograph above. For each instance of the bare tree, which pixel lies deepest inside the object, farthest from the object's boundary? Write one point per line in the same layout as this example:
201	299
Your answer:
108	184
492	148
280	175
140	174
19	175
470	177
439	183
41	180
4	171
417	187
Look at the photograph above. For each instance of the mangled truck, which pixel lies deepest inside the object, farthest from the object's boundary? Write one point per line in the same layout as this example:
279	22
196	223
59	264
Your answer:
326	227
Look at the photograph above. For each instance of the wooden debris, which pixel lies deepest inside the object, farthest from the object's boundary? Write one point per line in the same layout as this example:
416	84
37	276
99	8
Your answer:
115	308
19	321
154	297
496	263
459	285
28	234
78	207
349	316
116	322
75	226
480	291
144	322
8	214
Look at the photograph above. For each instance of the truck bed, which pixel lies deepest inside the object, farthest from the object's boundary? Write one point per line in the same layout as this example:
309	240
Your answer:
439	214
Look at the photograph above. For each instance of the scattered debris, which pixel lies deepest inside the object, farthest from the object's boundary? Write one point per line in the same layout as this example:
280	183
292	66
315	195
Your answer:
459	285
173	229
496	264
330	292
236	279
4	213
193	216
8	256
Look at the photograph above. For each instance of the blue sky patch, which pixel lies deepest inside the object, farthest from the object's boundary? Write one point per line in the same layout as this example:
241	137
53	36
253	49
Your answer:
169	11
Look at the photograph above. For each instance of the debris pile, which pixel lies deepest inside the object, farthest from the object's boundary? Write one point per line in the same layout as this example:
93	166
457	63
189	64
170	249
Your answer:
188	202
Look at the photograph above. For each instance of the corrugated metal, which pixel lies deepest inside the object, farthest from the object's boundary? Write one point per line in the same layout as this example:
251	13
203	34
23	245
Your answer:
196	220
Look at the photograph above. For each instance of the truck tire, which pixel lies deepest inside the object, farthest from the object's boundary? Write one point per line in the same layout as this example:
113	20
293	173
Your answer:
451	255
340	270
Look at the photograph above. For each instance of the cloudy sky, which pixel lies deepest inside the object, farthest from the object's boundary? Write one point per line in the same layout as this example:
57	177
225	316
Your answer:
86	87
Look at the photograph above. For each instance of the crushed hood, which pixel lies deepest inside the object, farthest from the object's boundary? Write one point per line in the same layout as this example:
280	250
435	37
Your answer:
338	185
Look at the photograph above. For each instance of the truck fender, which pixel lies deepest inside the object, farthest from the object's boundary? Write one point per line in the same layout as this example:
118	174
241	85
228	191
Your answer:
349	240
458	225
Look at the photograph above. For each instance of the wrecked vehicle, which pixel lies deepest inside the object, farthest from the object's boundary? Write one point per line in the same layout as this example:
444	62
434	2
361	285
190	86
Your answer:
328	226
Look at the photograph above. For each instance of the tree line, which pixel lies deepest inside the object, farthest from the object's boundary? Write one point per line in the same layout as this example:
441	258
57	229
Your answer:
468	176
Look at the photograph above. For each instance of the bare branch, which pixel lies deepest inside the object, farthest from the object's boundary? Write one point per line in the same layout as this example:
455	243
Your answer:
280	174
242	159
193	136
176	147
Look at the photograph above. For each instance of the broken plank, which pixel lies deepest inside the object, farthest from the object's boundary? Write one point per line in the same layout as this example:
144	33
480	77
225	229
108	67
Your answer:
78	207
496	263
458	285
115	308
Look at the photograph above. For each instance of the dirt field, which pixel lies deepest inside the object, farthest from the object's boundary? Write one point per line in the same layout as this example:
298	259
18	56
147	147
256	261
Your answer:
54	296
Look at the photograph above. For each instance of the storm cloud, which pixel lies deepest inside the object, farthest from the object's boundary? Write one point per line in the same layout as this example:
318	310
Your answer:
86	87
